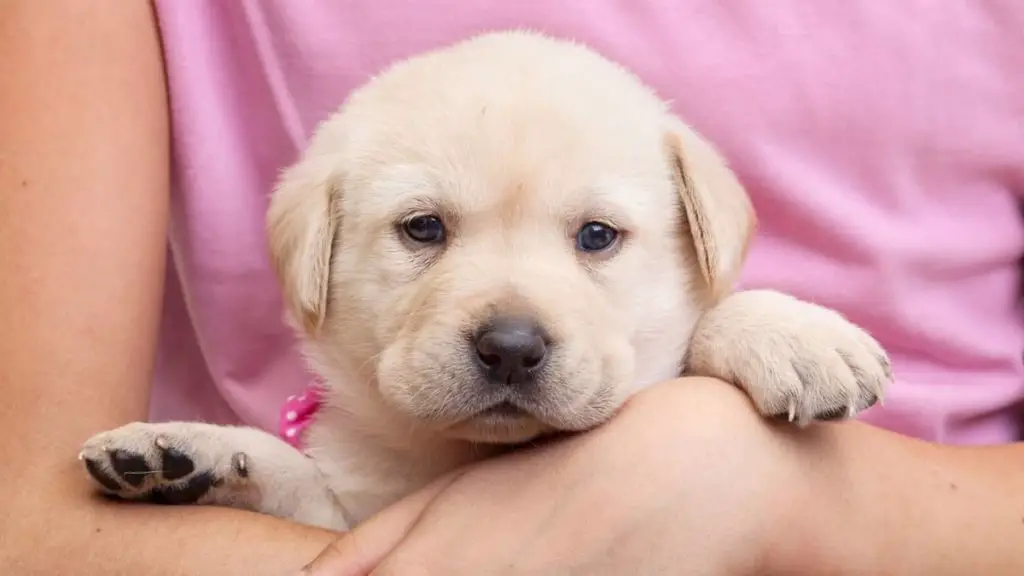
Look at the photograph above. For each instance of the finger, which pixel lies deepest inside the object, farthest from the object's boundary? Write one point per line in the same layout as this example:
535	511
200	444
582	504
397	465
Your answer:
358	552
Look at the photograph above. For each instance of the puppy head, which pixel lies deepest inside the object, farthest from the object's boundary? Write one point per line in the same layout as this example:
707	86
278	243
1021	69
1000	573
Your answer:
506	237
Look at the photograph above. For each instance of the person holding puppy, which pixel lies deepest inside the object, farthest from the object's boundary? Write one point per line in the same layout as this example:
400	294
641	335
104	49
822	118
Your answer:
859	173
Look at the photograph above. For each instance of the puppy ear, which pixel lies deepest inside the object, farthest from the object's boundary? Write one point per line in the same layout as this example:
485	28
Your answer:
719	216
301	224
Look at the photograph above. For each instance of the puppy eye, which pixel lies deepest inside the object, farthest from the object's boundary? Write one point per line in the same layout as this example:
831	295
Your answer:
427	229
596	237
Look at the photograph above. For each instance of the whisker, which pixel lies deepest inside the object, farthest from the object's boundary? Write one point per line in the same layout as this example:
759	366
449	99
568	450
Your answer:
143	473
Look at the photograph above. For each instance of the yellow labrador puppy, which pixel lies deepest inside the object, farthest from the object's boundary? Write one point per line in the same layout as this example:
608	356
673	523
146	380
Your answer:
488	243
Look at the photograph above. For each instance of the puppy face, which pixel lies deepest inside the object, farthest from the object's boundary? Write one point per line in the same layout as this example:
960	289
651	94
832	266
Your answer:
505	238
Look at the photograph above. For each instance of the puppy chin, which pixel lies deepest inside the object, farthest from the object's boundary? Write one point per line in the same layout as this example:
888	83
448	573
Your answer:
498	430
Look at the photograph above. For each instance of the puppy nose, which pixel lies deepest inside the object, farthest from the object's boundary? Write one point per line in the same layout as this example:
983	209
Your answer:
510	349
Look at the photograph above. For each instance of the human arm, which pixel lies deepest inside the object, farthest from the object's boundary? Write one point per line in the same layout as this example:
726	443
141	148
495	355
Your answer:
911	507
84	154
689	479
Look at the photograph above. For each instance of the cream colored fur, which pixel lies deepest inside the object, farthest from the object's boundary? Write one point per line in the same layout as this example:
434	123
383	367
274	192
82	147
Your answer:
515	141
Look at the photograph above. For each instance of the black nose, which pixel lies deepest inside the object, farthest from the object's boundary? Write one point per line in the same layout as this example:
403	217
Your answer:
511	349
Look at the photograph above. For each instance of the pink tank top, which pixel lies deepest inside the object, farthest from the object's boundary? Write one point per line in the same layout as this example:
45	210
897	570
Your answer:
882	143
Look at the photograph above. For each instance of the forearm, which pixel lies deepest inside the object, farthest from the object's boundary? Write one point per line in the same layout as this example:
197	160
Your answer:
84	173
65	536
889	504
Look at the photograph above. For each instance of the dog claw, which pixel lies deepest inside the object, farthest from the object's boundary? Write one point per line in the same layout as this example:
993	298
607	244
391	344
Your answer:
240	463
161	443
792	410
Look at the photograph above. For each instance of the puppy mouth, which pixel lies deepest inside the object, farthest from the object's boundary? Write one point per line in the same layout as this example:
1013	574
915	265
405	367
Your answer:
504	410
503	422
510	422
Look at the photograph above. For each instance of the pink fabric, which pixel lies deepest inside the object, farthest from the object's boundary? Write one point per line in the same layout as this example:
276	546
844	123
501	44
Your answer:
882	143
298	412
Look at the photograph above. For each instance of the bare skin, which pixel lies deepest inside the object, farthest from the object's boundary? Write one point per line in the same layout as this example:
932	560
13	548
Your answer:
689	480
84	172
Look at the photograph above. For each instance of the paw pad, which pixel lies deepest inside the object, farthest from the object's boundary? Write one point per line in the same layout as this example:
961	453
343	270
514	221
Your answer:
124	467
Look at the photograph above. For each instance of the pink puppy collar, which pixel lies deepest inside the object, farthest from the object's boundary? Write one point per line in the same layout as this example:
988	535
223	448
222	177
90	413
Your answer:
298	413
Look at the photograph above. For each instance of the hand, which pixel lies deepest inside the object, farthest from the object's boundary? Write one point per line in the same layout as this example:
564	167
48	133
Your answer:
687	479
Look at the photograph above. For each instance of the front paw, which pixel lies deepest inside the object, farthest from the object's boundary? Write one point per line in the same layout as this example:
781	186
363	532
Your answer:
796	360
169	463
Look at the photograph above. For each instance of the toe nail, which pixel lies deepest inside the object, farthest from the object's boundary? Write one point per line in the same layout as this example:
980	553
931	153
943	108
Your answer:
161	442
240	463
